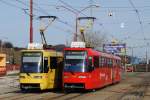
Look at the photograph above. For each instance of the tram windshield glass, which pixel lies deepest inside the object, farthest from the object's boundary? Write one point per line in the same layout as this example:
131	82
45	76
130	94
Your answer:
31	62
75	61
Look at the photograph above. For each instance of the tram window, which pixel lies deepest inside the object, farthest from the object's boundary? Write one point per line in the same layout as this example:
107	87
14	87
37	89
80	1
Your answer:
102	61
105	62
119	63
115	63
96	61
45	65
53	62
110	63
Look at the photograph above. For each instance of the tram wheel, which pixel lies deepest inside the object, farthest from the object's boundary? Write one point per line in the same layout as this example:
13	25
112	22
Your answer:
93	90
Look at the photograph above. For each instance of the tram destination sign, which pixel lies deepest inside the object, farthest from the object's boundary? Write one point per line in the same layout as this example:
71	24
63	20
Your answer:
119	49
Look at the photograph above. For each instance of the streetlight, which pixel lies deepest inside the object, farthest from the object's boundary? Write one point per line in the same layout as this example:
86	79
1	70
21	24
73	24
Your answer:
147	62
76	12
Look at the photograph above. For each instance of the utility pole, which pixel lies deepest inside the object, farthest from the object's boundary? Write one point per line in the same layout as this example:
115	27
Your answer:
31	21
132	59
146	61
125	59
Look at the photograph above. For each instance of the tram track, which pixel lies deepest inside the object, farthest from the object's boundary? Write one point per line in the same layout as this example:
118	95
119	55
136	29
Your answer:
10	95
67	96
136	91
135	88
74	97
56	97
18	95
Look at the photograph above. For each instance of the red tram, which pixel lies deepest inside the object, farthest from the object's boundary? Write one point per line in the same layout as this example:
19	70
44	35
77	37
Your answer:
85	68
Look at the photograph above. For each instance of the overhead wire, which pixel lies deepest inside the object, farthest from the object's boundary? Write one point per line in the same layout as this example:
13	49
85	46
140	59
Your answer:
125	7
25	4
13	5
138	16
102	7
44	11
66	4
41	10
58	19
10	4
78	11
25	11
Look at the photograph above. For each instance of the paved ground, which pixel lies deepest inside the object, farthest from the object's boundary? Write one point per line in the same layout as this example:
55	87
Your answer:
134	86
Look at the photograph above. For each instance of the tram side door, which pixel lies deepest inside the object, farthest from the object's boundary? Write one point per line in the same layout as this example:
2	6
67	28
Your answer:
46	69
52	71
59	71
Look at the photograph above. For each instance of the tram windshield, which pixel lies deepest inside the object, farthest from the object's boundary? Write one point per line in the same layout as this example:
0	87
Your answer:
31	62
75	61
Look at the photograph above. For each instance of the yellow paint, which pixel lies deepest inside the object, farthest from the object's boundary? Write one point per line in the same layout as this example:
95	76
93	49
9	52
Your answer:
49	80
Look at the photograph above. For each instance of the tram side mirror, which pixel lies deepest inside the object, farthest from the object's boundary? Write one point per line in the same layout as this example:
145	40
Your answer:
91	68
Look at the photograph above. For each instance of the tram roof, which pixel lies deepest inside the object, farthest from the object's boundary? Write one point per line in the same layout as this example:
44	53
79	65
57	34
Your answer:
42	50
93	52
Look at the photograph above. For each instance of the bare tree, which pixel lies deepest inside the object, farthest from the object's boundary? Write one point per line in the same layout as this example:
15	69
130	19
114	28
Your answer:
7	45
94	40
0	42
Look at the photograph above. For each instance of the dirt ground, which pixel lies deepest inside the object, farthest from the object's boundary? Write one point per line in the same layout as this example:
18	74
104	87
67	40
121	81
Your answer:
134	86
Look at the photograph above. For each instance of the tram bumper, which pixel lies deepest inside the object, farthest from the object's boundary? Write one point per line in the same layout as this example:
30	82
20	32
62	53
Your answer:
74	85
32	82
27	86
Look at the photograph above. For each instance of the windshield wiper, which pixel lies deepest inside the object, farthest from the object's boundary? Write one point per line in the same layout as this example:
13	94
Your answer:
28	74
72	72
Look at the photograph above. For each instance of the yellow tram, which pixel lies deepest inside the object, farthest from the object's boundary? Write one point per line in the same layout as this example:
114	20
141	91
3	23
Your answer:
41	69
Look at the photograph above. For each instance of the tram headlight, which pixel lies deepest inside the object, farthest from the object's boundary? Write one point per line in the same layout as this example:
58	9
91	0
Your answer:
38	77
82	76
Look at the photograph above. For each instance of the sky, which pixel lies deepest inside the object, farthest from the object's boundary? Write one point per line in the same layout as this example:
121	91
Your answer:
129	22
